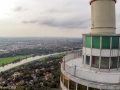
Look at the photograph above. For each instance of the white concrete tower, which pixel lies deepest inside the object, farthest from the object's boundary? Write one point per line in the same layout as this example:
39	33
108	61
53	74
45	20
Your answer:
97	65
103	16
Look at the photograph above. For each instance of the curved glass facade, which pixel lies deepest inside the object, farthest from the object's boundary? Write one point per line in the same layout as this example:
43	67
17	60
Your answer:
104	51
105	42
103	62
74	85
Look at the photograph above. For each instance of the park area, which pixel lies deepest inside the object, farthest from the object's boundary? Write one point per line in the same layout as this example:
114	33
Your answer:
8	60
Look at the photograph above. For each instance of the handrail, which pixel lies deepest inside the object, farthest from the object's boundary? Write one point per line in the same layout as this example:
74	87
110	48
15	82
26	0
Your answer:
76	70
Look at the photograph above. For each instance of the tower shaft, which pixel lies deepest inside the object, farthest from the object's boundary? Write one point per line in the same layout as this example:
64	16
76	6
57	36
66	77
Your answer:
103	17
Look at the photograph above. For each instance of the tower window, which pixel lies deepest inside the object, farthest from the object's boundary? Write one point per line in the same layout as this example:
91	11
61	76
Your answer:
95	62
106	42
72	85
113	63
66	81
88	41
115	42
81	87
104	63
96	42
88	60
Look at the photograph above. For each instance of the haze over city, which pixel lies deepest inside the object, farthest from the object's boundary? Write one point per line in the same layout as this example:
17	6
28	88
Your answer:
46	18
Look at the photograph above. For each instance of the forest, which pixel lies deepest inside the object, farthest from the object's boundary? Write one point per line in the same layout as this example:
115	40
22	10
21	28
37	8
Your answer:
42	74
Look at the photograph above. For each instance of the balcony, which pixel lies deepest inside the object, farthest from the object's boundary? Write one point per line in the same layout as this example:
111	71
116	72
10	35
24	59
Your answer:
75	70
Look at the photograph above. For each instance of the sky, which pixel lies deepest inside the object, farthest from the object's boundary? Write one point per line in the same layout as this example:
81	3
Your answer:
47	18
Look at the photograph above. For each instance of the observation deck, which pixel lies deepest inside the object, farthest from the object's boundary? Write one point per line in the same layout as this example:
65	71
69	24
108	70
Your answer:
76	76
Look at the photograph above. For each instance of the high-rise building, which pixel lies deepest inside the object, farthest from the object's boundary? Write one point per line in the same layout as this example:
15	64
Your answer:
97	65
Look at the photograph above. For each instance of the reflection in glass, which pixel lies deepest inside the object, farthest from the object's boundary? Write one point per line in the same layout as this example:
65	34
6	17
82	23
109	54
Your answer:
88	60
81	87
113	63
65	81
95	62
72	85
104	63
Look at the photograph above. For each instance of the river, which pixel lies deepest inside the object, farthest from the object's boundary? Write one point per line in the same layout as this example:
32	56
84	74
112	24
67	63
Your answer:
6	67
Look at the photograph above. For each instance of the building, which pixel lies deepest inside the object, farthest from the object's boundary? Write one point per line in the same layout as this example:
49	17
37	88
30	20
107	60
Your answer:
97	66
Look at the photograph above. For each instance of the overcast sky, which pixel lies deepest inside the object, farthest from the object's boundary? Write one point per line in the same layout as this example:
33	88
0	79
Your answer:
49	18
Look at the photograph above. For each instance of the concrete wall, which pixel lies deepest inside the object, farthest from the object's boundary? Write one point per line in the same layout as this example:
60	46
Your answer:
103	16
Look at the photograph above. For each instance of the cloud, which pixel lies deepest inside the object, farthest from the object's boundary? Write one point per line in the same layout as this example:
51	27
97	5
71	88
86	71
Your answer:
31	21
70	23
19	8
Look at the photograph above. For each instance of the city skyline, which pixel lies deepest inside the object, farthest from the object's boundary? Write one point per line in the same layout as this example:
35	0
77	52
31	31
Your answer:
47	18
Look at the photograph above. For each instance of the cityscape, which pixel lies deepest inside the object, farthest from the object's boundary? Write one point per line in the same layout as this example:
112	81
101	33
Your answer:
22	62
62	44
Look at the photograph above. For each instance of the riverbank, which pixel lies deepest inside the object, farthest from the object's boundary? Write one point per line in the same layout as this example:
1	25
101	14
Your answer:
9	66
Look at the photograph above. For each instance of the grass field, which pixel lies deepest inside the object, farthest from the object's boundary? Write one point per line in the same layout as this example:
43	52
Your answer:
57	55
11	59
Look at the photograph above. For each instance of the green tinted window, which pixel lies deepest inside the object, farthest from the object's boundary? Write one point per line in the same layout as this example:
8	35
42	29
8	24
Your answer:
88	41
83	40
106	42
95	42
115	42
